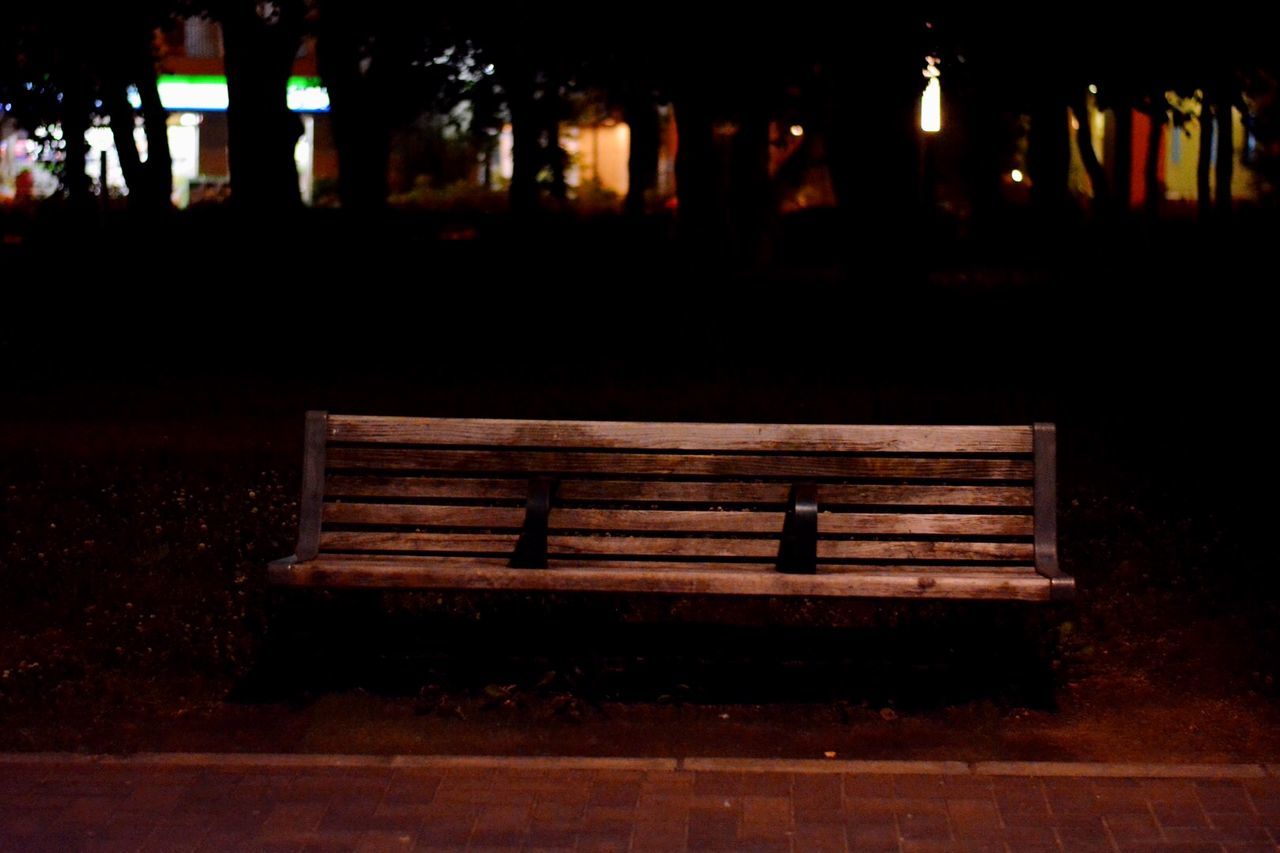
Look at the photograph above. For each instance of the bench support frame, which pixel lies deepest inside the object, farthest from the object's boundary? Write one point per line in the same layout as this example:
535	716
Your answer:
1045	445
798	550
531	547
309	513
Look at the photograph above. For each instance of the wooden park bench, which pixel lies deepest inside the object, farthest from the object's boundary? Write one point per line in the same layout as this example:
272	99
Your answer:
684	508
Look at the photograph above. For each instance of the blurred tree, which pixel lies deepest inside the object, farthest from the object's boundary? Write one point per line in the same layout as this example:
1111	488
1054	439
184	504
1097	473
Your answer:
350	49
84	65
1204	161
1098	185
377	63
127	63
261	39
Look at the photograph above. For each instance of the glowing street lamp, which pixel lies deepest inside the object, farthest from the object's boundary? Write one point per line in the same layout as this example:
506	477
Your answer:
931	100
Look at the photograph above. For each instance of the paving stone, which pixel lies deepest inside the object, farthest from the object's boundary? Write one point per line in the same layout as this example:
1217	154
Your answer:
1126	828
918	786
603	842
717	783
615	793
1179	814
1025	837
1223	796
385	842
973	816
924	827
302	803
867	809
820	838
708	830
767	785
767	810
817	794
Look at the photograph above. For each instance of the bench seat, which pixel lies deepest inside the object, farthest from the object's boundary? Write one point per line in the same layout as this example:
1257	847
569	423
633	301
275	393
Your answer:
723	509
1014	582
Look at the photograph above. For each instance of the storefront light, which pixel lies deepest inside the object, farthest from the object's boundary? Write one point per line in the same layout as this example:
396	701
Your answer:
208	93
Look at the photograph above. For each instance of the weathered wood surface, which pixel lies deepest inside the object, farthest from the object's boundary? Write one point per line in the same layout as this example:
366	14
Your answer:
682	436
678	521
666	464
472	573
482	543
642	491
968	512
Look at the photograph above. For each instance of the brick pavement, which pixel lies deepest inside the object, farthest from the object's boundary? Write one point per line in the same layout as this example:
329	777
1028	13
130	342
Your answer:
295	803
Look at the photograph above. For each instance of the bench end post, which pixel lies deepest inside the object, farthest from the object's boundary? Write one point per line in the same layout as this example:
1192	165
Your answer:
312	503
1045	445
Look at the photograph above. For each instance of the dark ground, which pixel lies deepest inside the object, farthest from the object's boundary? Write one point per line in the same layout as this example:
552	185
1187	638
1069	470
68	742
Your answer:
156	378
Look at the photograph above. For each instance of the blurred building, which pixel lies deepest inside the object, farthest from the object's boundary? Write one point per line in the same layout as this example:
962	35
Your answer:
1179	152
193	88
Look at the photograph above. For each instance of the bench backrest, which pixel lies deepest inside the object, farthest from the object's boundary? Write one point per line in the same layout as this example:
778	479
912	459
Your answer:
950	497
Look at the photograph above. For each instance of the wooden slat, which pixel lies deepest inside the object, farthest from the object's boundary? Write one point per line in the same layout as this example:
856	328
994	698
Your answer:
682	436
685	547
464	488
462	543
681	521
447	488
938	524
790	467
416	514
470	573
621	563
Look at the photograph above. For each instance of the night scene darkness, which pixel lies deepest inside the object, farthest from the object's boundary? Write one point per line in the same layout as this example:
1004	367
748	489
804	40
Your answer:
580	426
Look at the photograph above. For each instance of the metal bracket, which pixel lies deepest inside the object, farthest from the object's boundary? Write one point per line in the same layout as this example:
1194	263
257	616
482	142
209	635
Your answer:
531	549
798	551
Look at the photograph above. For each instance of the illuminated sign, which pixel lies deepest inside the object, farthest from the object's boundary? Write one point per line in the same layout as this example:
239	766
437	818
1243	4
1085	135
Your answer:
208	93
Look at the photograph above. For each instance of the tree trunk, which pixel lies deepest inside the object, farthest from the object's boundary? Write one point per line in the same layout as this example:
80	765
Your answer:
984	154
875	165
1226	149
123	122
1204	163
358	112
641	115
695	166
75	123
159	165
525	154
1123	173
554	157
1088	156
261	131
1154	189
750	196
1049	155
